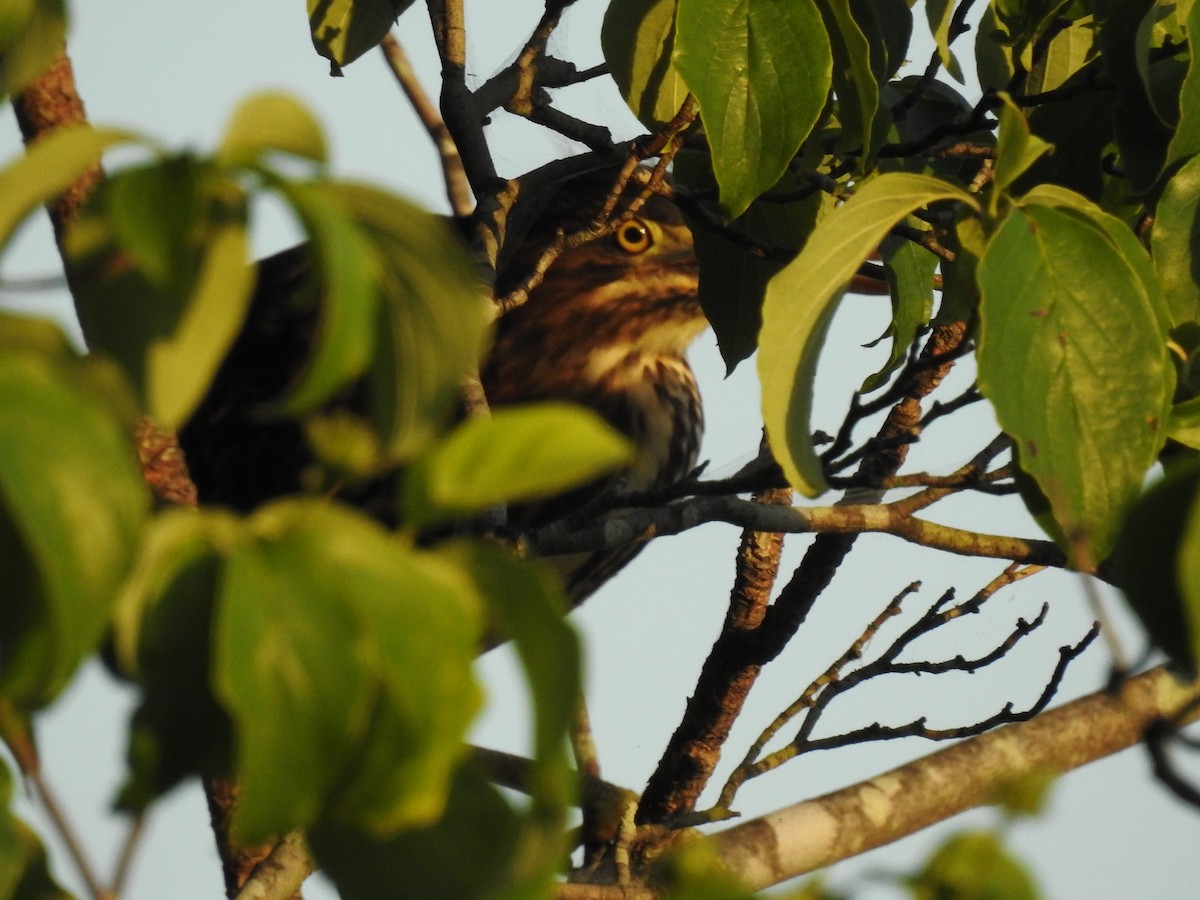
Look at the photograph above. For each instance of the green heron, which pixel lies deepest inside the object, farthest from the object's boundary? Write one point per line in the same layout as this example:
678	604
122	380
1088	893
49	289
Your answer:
607	328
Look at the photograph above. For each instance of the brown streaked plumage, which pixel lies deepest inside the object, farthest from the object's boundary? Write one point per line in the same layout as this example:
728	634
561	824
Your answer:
607	328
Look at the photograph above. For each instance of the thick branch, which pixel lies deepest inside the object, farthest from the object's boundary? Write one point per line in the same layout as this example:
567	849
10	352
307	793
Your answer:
816	833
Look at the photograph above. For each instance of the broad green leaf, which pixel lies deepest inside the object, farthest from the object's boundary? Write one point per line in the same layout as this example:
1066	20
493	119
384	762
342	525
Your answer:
360	649
24	869
1184	424
269	121
48	167
800	302
31	37
1065	319
1175	236
516	454
973	864
1185	142
854	79
437	318
72	504
761	72
1154	563
1016	150
638	38
888	25
909	271
940	13
343	30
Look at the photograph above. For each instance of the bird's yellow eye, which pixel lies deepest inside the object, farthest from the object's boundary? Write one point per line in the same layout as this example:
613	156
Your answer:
634	236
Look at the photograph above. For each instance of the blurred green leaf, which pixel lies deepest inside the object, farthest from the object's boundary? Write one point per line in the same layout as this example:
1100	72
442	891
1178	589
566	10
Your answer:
72	504
940	13
478	825
759	98
516	454
1185	142
973	865
1026	794
272	121
344	658
1066	318
638	39
800	302
1184	424
31	37
160	258
343	30
24	870
49	166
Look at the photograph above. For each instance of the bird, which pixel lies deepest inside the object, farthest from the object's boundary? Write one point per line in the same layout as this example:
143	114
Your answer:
608	328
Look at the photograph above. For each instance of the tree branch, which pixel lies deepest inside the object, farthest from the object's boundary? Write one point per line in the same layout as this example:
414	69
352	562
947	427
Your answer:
822	831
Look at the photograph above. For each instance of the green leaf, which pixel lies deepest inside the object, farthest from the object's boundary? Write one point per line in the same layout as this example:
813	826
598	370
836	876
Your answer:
800	302
973	864
518	453
24	869
1067	53
437	317
361	649
1175	235
1016	150
854	79
72	503
1066	318
638	38
909	271
761	72
1154	563
272	120
50	166
31	37
343	30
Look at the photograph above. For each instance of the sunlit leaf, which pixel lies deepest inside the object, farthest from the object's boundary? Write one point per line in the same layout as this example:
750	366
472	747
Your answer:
1066	319
638	38
909	271
1185	142
1184	424
759	98
973	864
269	121
343	30
940	13
800	302
1016	150
854	80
